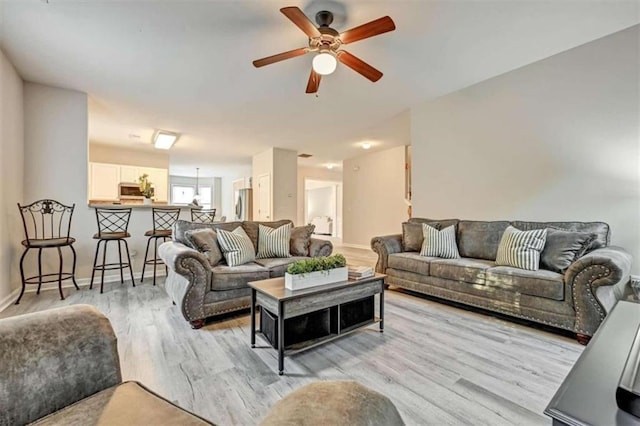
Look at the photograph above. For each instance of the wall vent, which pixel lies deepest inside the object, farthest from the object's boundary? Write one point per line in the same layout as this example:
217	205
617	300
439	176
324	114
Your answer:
305	155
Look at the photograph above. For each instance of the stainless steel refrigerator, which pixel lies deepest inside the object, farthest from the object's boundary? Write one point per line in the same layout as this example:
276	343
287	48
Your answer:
244	204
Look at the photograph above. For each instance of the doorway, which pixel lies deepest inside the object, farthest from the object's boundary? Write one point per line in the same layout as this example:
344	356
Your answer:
323	206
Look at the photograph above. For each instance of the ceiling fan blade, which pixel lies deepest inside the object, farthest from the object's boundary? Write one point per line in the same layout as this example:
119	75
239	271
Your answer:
314	82
300	19
280	57
359	66
370	29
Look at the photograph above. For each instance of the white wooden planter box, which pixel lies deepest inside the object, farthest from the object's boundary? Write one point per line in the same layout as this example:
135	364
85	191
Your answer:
314	279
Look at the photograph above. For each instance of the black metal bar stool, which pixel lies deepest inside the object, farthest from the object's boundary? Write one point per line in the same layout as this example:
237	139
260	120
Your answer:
112	226
163	220
47	224
203	215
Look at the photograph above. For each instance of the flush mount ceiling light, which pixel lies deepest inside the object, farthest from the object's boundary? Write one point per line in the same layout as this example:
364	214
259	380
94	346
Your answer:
164	140
329	166
366	145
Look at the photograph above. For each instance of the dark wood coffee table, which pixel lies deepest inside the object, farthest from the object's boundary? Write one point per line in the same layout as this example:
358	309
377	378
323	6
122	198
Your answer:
292	321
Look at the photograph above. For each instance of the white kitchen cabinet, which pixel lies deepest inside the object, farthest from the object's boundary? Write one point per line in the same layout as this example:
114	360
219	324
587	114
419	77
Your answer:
103	181
159	179
129	174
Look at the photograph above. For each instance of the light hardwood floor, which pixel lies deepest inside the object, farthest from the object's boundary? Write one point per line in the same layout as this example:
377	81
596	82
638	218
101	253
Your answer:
440	365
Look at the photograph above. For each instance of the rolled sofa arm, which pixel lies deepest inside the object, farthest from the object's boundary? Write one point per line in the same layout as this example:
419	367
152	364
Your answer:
597	281
52	359
384	246
318	247
188	280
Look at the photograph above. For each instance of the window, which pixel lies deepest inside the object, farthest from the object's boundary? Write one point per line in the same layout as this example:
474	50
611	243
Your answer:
205	196
182	194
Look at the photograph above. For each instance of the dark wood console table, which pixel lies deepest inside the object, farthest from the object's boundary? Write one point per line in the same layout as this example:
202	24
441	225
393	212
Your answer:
588	394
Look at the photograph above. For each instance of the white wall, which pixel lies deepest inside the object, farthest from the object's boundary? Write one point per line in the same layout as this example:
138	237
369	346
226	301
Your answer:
321	202
554	140
11	176
284	184
282	166
56	161
374	196
315	173
115	154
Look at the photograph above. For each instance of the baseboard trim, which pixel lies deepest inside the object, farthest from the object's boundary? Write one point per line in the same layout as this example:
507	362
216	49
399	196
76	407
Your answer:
356	246
82	282
9	300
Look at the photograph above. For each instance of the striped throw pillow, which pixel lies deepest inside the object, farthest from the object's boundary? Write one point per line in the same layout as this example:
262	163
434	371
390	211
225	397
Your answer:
273	242
439	243
236	246
521	249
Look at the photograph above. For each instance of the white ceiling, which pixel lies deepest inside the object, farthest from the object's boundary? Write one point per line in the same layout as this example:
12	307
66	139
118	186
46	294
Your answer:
185	66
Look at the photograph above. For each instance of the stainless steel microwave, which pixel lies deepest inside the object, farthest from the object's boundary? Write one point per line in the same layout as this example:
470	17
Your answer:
130	191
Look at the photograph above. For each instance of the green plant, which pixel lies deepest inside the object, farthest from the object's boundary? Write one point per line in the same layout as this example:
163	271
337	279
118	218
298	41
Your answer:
145	186
317	264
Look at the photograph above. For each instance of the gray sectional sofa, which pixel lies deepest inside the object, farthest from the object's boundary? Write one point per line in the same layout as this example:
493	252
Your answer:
576	300
203	291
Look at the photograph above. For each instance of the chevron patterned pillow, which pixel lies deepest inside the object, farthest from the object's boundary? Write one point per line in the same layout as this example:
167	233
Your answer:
274	242
521	249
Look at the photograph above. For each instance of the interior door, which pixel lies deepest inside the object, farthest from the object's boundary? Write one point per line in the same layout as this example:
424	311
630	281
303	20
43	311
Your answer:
264	198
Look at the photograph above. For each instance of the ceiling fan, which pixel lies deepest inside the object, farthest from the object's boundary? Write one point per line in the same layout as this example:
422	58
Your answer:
327	42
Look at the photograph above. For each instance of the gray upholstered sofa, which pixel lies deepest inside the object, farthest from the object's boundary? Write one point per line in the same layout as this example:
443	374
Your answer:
576	300
61	367
203	291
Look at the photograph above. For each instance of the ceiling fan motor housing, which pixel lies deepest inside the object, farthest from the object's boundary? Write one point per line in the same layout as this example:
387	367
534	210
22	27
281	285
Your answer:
324	18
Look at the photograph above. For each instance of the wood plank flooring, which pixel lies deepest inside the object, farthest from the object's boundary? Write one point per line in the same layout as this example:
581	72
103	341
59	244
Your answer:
439	365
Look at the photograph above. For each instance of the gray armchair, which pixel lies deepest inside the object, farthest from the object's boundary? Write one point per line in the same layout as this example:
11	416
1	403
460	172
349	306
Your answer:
61	367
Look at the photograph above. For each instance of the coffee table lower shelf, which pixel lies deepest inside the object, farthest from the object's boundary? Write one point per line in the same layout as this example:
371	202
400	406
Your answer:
292	322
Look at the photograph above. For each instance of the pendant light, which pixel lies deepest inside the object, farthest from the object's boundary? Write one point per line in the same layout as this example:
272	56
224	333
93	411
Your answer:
196	197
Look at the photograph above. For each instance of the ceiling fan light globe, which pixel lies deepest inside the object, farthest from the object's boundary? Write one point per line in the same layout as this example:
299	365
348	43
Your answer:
324	63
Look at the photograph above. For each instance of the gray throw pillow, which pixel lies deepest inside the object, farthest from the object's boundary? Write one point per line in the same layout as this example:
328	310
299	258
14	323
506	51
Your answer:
301	239
563	248
206	242
412	235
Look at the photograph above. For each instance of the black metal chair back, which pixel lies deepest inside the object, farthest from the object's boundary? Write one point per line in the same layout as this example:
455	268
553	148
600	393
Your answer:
164	218
203	215
112	220
46	219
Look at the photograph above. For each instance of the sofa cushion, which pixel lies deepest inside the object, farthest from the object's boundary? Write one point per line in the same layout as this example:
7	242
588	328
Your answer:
182	226
412	235
601	229
439	243
540	283
206	242
444	223
277	266
226	277
274	242
300	240
251	228
236	246
127	403
409	261
562	248
521	249
463	269
480	239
